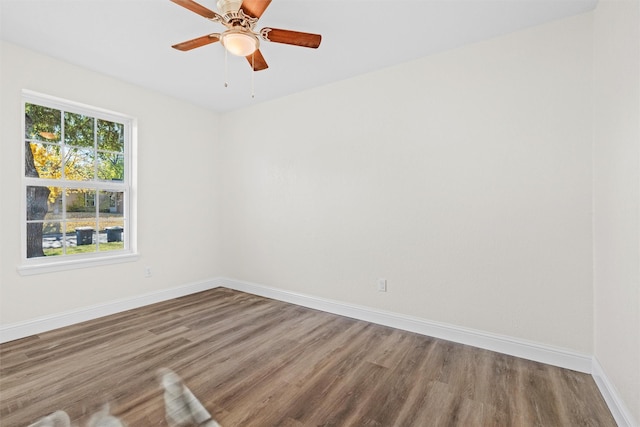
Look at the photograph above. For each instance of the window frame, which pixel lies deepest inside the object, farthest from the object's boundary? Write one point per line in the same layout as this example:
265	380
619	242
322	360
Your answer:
38	265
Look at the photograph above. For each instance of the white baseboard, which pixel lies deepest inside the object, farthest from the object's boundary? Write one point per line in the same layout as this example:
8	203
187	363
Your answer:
16	331
616	405
503	344
499	343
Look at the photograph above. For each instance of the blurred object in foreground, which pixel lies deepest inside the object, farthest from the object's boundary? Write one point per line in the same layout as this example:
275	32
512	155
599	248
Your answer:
183	409
57	419
61	419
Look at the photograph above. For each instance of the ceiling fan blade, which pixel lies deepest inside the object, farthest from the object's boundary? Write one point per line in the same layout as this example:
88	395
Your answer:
197	8
257	61
254	8
197	42
291	37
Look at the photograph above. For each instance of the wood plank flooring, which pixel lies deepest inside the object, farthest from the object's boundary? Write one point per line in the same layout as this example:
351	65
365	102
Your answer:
253	361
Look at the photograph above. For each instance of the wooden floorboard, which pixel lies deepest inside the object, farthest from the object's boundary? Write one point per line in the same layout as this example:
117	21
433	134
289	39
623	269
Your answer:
253	361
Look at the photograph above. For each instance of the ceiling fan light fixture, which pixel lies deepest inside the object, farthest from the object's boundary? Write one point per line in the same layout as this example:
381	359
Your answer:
239	42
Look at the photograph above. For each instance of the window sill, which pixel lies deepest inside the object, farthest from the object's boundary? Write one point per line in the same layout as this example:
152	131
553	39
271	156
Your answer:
50	267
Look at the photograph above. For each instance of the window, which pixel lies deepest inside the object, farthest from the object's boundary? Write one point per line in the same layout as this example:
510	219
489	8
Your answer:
78	202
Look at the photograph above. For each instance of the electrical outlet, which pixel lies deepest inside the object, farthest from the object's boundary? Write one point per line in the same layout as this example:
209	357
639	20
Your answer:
382	285
147	272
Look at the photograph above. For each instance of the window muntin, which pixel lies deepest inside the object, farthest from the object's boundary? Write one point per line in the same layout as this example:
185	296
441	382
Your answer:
77	182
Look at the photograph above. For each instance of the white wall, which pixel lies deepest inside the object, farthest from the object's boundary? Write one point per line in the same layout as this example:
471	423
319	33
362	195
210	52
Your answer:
617	196
463	178
177	206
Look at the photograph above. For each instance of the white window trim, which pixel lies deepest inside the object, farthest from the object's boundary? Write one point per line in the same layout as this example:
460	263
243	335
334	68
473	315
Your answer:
39	265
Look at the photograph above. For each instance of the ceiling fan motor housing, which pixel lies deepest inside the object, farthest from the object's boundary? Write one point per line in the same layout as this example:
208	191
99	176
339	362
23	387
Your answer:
229	8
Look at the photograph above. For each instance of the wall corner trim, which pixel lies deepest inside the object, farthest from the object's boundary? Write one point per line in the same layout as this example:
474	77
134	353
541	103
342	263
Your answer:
616	405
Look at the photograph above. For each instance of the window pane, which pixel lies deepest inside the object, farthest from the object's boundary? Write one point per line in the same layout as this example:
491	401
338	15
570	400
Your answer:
52	238
111	220
43	161
110	166
113	237
37	202
82	238
42	123
111	204
110	136
81	220
55	205
52	228
78	130
81	205
34	240
79	164
38	208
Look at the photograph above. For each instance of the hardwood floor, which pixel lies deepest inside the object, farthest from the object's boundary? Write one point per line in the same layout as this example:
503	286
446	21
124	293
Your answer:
253	361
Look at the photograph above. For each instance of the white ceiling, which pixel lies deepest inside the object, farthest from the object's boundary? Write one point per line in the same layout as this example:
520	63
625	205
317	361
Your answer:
131	39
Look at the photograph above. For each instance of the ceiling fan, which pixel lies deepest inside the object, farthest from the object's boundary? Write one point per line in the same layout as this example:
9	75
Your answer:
240	17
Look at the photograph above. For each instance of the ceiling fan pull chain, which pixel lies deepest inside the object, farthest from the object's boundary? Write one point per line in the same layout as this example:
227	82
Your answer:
253	67
226	70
